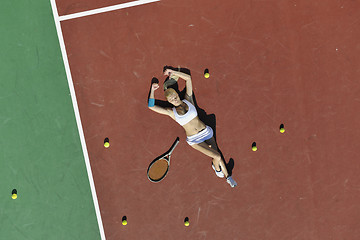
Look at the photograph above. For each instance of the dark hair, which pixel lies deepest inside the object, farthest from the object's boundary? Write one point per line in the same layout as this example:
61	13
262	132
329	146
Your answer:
169	82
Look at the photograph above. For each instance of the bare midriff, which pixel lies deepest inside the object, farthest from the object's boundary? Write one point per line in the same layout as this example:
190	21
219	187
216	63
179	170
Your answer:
194	126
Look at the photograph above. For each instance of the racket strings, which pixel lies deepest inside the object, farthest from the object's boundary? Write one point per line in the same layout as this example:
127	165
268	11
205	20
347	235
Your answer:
158	169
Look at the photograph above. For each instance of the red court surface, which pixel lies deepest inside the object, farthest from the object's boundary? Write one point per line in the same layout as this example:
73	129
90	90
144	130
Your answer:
270	62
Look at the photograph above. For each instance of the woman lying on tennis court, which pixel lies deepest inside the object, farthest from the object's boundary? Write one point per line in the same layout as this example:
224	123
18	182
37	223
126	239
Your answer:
199	136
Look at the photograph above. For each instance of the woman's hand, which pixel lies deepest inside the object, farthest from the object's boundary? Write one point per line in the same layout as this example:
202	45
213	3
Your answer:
154	86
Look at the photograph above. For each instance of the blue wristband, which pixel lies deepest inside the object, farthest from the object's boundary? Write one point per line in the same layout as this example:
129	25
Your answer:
151	102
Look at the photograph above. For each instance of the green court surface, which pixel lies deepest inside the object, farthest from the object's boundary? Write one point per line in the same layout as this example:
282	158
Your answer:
41	154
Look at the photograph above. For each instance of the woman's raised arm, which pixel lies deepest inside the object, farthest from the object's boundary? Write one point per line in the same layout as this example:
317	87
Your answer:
186	77
151	103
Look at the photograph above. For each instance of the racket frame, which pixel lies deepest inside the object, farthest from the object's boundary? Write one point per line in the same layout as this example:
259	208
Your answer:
165	156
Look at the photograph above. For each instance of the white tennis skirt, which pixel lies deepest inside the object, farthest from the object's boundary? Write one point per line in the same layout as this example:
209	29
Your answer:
200	137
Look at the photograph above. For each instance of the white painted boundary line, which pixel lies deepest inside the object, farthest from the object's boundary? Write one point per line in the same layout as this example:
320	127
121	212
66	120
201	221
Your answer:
106	9
77	116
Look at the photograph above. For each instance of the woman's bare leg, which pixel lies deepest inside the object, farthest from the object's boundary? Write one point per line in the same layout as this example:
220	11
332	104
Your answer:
212	143
214	154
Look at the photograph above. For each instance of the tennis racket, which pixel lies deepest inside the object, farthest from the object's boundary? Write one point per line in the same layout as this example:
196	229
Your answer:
159	167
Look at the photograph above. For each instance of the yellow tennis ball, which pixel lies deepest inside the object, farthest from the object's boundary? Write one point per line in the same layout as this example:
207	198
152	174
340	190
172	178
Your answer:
282	130
187	223
206	75
254	148
14	196
106	144
124	222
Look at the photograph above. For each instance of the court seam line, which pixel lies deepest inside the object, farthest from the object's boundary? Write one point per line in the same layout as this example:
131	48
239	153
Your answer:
105	9
77	116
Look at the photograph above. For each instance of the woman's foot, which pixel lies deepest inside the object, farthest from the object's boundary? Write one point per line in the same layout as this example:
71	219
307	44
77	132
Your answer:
231	181
220	174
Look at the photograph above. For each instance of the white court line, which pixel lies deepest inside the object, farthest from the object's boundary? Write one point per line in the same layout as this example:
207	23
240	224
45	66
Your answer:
106	9
77	116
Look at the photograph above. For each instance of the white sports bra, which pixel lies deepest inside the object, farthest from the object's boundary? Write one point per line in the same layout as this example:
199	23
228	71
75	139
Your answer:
188	116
